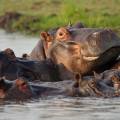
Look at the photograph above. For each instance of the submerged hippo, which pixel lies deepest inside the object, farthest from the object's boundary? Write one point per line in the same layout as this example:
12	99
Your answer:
21	90
106	84
86	50
94	86
12	67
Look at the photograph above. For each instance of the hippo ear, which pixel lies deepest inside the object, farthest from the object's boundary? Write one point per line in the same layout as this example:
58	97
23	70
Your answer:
43	35
78	79
25	55
90	58
10	53
96	75
69	24
46	36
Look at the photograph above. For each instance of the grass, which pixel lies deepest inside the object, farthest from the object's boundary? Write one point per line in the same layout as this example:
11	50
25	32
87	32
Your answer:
39	15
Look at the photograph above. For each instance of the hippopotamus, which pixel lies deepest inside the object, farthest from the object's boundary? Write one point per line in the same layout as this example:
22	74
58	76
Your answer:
106	84
13	67
21	90
39	52
86	49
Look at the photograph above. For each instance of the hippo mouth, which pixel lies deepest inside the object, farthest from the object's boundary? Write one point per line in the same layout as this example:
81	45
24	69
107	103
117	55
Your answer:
72	43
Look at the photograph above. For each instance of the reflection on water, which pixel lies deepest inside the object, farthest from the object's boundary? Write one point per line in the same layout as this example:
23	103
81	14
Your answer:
56	108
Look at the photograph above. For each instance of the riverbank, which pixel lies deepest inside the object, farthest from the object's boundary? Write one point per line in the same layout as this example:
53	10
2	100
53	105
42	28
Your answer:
31	17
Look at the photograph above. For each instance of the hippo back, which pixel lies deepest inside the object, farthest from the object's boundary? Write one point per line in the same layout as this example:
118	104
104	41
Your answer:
95	41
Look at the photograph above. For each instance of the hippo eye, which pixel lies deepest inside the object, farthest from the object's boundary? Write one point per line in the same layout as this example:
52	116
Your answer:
61	34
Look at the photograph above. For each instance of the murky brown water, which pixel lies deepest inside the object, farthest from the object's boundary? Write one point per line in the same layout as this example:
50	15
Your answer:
56	108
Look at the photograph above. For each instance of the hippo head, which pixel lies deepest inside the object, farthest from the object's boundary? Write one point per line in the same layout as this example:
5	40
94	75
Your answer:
60	33
48	39
5	57
4	87
10	53
20	90
89	86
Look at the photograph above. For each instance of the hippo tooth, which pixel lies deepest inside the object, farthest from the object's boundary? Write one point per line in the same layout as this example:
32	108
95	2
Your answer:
90	58
95	34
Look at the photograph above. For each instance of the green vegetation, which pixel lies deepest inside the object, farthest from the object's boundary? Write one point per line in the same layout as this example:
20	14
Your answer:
40	15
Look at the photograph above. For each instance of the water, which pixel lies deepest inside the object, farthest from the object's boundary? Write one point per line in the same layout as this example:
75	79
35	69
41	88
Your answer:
56	108
19	43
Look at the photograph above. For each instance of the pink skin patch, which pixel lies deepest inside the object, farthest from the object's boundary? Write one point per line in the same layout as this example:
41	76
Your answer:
22	85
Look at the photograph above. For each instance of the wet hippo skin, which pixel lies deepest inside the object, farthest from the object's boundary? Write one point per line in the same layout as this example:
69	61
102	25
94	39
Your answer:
106	84
12	68
85	49
21	90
